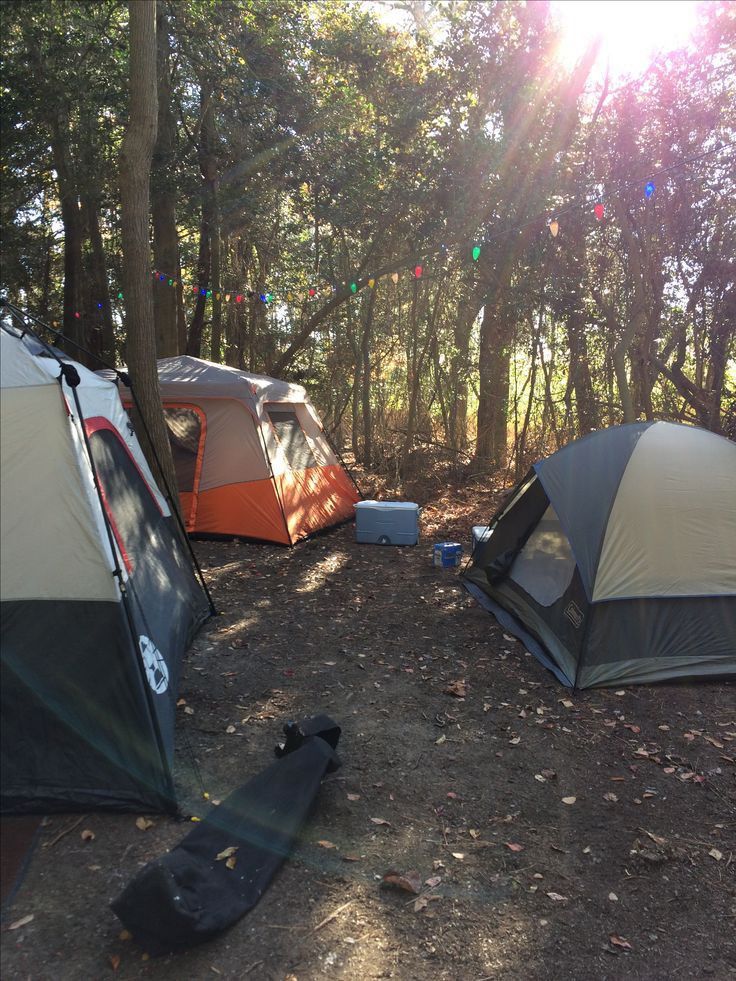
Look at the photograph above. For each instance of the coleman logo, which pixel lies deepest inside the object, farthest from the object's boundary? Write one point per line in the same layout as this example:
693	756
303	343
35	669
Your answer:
574	614
156	670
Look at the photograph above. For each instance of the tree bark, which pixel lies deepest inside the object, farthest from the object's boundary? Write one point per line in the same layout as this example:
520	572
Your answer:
135	171
494	360
74	315
163	201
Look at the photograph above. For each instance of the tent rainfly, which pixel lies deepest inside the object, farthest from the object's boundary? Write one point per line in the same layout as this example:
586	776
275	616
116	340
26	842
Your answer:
614	560
98	598
251	456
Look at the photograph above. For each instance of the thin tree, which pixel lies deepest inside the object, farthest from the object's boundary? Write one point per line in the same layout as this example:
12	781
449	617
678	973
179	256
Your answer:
135	172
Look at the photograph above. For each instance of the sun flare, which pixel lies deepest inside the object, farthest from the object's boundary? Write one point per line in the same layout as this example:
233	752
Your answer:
632	32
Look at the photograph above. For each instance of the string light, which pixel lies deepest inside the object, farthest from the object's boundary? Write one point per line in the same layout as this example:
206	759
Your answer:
553	225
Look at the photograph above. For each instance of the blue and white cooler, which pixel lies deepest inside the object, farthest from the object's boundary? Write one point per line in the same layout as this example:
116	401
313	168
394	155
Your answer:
447	555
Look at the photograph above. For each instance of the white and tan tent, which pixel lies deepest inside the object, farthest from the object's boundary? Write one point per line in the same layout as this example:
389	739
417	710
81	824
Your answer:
251	456
615	558
99	599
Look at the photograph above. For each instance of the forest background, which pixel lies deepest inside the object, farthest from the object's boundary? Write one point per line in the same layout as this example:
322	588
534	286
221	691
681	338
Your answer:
369	210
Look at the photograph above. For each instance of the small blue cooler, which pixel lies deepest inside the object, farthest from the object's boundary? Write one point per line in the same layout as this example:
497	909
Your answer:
448	555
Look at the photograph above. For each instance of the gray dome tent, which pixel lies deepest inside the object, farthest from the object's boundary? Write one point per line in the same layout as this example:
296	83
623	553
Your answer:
614	560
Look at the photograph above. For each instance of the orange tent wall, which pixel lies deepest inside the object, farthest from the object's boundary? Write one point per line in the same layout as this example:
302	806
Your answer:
316	498
249	510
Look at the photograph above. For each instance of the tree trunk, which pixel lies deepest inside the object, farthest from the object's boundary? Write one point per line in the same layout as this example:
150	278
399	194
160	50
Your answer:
208	168
493	362
365	350
98	276
135	172
163	202
74	316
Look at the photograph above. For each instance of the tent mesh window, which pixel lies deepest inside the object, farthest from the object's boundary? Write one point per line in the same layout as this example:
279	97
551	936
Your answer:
292	439
131	506
185	432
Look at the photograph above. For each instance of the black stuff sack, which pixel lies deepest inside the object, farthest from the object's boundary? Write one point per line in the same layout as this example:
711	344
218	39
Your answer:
221	869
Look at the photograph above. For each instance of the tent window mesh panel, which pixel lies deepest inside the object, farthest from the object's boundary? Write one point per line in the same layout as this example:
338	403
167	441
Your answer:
292	439
130	504
185	432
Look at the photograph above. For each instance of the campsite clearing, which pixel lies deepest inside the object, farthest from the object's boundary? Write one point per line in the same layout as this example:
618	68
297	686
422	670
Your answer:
554	834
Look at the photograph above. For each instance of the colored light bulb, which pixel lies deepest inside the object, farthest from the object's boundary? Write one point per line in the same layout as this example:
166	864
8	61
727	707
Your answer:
239	298
554	227
599	211
476	253
353	287
313	292
371	283
649	189
394	277
418	272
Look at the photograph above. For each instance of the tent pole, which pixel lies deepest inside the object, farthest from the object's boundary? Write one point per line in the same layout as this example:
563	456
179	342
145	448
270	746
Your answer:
344	465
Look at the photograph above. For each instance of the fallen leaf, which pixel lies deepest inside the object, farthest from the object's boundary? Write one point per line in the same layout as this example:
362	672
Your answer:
610	796
351	858
326	844
540	778
514	846
515	741
714	853
433	881
231	862
143	824
713	742
556	897
458	855
549	774
114	961
381	821
353	796
566	702
569	800
442	739
231	729
189	710
87	835
457	688
408	881
474	833
619	941
226	852
620	692
487	706
438	864
613	897
21	922
421	903
657	839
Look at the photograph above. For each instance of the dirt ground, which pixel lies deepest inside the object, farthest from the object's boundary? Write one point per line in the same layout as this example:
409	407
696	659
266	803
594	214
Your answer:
585	836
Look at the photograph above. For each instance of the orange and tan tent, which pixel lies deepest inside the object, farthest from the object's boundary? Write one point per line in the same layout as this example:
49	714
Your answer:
251	456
